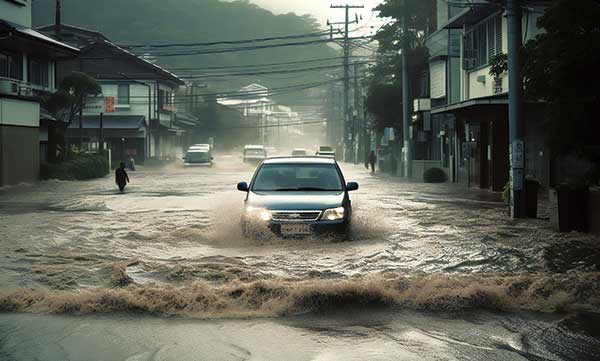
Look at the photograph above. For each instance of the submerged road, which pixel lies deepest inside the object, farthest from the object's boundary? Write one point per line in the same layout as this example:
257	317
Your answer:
162	272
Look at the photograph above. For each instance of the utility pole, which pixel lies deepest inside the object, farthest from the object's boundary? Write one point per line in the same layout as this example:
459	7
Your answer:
407	146
355	116
346	23
515	108
57	20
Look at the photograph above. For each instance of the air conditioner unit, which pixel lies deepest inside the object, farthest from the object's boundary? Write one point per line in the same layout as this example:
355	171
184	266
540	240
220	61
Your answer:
25	90
7	87
469	63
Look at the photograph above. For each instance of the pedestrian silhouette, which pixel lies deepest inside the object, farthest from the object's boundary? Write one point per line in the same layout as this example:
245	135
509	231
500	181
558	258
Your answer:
372	160
121	177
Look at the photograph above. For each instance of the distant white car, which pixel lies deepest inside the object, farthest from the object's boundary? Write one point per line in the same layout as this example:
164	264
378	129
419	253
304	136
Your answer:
325	151
298	152
254	154
200	146
198	158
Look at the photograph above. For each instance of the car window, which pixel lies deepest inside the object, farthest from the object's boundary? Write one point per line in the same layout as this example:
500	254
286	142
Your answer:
297	177
197	156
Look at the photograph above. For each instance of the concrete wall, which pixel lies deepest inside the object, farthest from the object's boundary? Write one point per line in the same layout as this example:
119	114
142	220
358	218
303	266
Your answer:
19	154
19	141
16	11
420	166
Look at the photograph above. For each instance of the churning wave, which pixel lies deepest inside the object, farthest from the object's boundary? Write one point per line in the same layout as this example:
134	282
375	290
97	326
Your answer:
283	297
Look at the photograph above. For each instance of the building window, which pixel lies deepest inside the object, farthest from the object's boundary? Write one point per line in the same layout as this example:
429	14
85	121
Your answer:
38	72
482	42
165	99
123	94
11	66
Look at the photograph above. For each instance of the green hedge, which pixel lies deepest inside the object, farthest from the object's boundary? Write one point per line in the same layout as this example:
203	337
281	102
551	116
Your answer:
434	175
83	166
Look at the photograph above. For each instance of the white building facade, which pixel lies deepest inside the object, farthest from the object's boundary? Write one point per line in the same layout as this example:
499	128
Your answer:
27	71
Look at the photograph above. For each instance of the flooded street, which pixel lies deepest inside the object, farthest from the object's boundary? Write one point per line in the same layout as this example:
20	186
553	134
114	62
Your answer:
162	272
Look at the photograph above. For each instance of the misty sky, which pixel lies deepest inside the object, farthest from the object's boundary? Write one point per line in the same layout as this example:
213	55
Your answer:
320	9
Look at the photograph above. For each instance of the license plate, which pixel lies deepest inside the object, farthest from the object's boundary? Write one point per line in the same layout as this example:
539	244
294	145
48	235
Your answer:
295	229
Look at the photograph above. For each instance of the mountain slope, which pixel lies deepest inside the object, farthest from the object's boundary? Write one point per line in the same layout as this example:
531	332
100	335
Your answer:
184	21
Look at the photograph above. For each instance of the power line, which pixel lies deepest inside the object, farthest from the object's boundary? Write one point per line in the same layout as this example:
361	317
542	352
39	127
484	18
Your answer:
227	42
288	71
245	48
259	65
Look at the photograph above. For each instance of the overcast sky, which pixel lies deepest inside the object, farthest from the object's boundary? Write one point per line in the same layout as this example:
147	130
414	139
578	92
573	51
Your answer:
320	10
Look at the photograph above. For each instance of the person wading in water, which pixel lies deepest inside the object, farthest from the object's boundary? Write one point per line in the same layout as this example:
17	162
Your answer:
372	160
121	177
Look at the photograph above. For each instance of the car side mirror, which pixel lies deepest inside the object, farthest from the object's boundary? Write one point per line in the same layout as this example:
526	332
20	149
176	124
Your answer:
183	158
351	186
242	187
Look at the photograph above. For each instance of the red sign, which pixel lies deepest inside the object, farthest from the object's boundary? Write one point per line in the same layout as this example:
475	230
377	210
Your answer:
109	104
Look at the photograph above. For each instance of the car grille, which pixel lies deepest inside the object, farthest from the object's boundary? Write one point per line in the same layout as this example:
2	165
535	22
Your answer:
295	216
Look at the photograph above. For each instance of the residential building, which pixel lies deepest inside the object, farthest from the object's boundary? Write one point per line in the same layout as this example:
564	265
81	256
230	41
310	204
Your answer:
27	71
467	115
142	124
254	103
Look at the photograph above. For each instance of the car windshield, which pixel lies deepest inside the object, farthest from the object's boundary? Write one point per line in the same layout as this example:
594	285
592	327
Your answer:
325	149
197	157
254	152
297	177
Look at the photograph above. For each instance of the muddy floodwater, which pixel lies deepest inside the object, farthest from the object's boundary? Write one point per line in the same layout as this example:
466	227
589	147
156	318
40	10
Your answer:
162	272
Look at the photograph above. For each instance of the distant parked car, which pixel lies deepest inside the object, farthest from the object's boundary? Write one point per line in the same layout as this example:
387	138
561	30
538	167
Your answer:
198	158
254	154
325	151
201	146
298	152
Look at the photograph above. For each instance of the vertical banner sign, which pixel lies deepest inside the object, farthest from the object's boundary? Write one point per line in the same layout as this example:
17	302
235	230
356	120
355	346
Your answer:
109	104
517	164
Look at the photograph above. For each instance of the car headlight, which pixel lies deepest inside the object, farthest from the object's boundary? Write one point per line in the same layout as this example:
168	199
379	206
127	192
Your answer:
258	213
333	214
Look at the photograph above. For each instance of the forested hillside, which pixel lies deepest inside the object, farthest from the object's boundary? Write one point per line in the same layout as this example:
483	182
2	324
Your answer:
186	21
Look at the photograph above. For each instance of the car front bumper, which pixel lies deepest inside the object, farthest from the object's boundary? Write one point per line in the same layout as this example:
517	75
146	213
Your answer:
338	227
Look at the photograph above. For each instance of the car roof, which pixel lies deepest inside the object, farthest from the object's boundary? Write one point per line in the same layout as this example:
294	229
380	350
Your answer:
303	160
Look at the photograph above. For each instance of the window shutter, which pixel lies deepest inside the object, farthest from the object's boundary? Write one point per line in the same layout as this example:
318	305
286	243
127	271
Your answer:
491	48
499	33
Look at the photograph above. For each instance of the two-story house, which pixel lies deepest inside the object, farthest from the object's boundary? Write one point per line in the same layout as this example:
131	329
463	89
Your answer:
468	106
27	70
141	125
254	103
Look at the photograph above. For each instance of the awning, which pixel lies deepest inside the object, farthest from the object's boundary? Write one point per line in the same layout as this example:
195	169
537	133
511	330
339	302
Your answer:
121	122
501	99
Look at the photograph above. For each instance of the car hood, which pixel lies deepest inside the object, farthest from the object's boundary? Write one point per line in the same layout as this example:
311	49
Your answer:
295	200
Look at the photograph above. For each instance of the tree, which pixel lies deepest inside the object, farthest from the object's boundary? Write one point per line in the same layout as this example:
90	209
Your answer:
561	69
385	93
64	104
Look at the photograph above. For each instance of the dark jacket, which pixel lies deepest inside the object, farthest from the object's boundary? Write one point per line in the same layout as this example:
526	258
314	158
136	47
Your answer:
121	176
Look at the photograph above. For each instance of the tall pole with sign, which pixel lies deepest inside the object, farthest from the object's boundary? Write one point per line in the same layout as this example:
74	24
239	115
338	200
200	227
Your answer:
515	108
